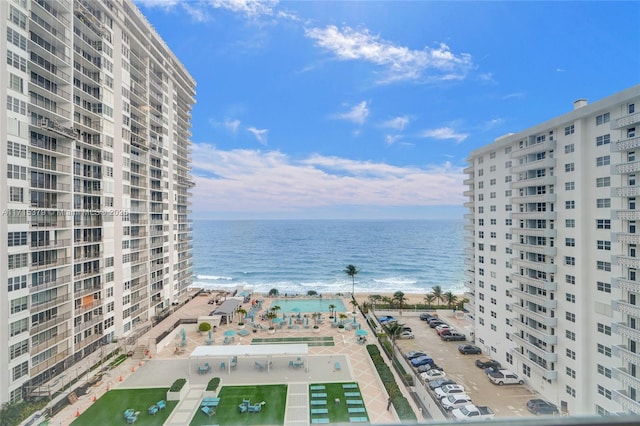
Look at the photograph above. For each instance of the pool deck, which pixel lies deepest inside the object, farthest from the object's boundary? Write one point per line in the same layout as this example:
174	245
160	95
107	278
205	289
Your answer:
163	368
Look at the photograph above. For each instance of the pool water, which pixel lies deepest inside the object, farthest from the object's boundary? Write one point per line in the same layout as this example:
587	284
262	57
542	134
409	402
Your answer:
309	305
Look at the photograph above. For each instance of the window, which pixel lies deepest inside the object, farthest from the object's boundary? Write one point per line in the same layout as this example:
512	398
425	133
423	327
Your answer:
570	335
16	239
17	17
492	195
480	185
570	205
507	179
603	223
606	372
603	203
603	182
571	298
16	61
569	316
20	370
603	140
570	354
603	161
602	118
604	287
492	181
604	245
570	279
570	242
569	186
571	372
16	172
16	194
570	223
604	329
604	392
16	39
492	169
15	83
605	350
631	108
569	167
631	133
603	266
569	260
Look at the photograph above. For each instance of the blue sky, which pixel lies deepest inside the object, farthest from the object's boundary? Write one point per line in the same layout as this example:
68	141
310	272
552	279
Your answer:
368	110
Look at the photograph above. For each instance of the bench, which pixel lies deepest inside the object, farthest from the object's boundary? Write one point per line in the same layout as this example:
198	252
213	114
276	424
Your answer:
358	419
316	387
320	420
354	402
319	411
318	402
349	394
350	386
319	395
356	410
337	366
208	411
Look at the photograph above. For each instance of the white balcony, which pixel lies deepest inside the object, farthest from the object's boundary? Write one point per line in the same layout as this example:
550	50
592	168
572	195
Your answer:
546	250
536	282
549	268
620	169
535	181
547	145
535	215
625	214
542	319
627	120
624	237
536	369
534	298
622	375
626	144
627	404
625	191
625	284
628	261
626	308
625	331
625	354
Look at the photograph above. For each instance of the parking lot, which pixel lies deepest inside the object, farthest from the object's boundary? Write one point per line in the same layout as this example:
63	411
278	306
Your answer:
505	401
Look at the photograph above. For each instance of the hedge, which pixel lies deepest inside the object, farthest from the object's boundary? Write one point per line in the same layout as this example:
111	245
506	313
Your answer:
178	385
213	384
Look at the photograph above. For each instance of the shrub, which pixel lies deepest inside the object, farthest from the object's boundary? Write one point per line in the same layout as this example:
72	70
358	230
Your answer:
213	384
204	326
178	385
312	293
15	413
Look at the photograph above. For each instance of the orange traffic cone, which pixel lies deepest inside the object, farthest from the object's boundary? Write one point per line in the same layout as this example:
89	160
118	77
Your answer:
133	369
120	377
94	398
77	413
139	363
150	356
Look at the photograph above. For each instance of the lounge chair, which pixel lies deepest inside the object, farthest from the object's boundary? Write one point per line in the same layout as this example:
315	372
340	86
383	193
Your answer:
153	410
161	404
209	411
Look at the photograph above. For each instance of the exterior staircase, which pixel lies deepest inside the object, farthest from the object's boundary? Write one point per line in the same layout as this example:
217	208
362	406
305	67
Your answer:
140	352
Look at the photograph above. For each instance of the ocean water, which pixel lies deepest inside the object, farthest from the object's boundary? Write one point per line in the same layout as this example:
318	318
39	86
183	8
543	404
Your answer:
296	256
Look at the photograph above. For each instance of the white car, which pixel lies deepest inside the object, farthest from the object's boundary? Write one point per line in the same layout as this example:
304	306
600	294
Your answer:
442	327
504	377
452	402
471	412
446	390
432	375
406	335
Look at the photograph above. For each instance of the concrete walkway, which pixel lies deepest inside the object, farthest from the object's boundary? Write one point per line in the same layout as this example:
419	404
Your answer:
187	407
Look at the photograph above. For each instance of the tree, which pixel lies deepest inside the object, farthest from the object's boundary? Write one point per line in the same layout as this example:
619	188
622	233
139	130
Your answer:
242	312
437	293
275	309
394	331
352	271
398	299
429	298
332	309
462	302
374	298
342	318
450	298
312	293
273	292
271	316
354	303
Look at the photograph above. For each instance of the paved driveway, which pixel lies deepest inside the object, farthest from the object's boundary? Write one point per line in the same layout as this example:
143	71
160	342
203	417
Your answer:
506	401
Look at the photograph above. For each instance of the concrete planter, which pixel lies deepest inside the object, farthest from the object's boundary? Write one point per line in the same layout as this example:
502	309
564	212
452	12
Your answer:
209	394
177	396
241	325
316	329
271	331
340	329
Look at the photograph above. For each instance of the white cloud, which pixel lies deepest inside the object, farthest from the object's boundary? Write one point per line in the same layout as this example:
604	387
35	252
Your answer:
399	62
260	134
229	124
271	181
444	133
398	123
357	114
391	139
247	7
490	124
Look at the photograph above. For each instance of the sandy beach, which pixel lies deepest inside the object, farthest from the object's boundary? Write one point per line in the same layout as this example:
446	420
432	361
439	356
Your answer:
411	298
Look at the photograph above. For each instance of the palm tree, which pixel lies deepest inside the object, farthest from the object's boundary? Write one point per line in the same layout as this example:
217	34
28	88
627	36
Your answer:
332	308
271	316
394	331
398	299
450	298
352	271
342	318
437	293
462	302
355	305
429	298
275	309
242	314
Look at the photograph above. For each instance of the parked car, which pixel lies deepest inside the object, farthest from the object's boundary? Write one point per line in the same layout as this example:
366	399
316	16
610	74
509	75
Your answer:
452	402
422	360
434	324
485	363
453	336
385	319
425	316
427	367
469	349
440	328
540	406
427	376
406	335
505	377
446	390
472	412
414	354
407	328
435	384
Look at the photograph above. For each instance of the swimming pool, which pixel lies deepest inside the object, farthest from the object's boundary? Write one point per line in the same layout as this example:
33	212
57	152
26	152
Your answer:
309	305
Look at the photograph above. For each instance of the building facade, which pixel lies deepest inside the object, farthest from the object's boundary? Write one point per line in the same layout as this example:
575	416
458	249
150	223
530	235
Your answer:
551	254
96	240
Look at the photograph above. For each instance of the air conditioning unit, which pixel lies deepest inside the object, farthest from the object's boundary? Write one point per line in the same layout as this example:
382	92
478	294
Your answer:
44	122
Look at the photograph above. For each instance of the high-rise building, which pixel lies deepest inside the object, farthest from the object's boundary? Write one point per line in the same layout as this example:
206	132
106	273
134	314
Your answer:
553	269
96	240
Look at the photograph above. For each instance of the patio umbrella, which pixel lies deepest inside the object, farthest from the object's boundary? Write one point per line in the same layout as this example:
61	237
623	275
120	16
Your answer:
361	332
335	318
354	319
290	320
210	333
230	333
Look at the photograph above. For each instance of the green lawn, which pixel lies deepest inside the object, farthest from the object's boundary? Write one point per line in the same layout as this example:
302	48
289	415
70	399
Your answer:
109	409
337	412
227	412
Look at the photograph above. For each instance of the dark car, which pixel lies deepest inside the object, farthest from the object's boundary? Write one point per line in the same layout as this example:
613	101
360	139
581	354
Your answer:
425	317
434	324
485	363
414	354
422	360
469	349
453	336
540	406
435	384
428	367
